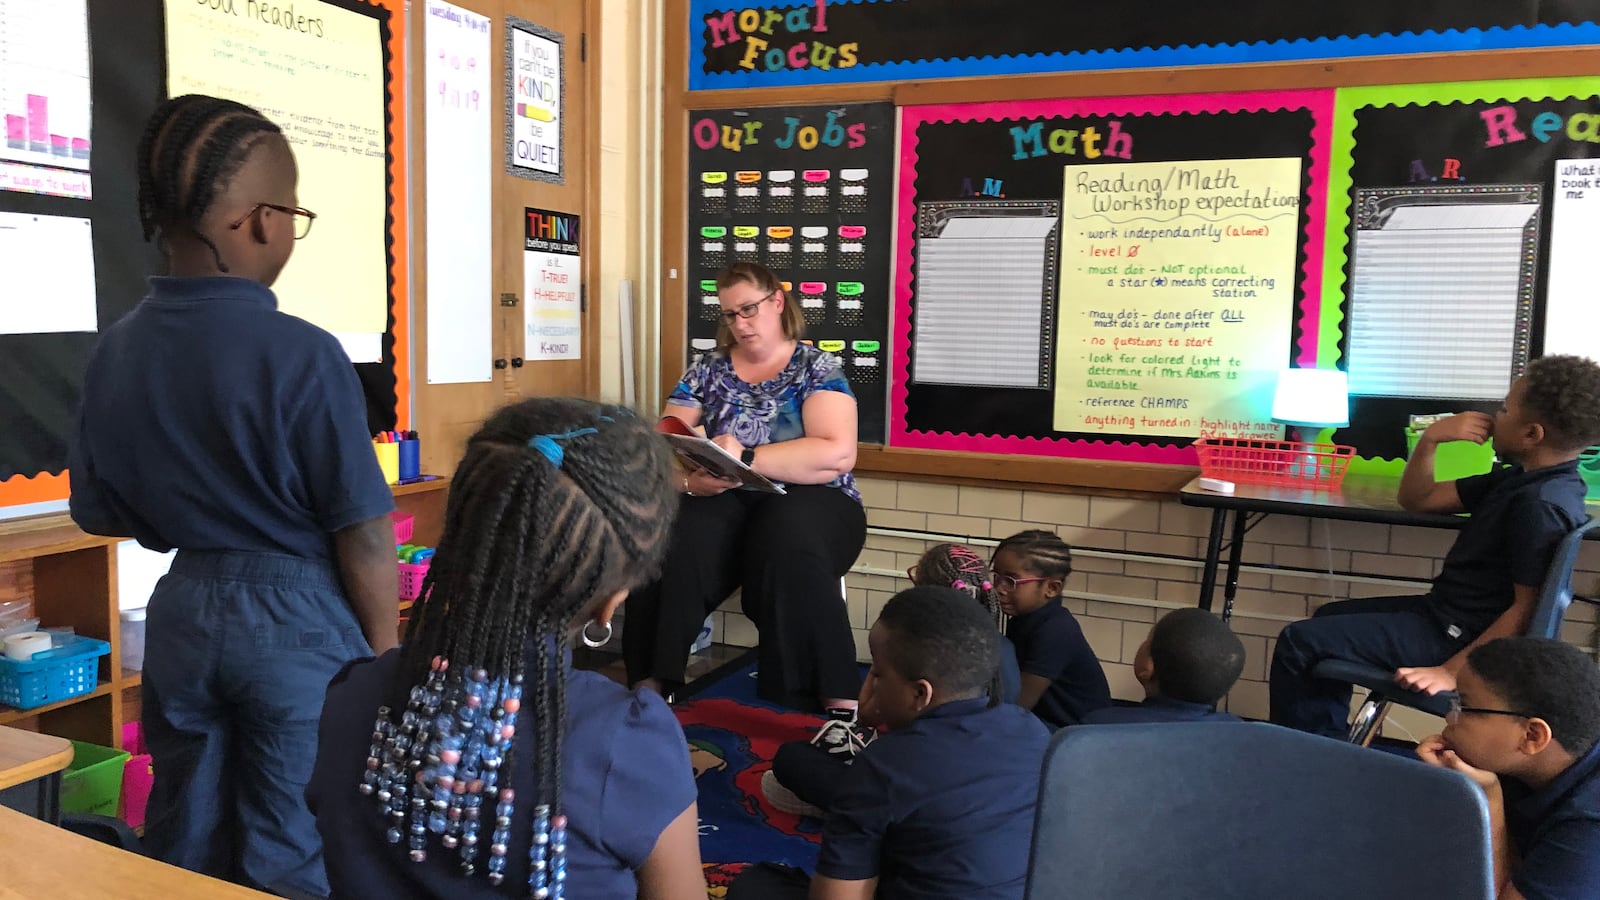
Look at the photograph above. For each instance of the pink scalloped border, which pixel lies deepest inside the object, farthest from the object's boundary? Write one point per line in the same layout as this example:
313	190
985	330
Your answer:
1318	102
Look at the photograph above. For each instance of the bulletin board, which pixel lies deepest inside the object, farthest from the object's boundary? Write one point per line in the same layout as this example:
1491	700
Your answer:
41	374
1473	219
806	191
854	41
1391	152
1188	245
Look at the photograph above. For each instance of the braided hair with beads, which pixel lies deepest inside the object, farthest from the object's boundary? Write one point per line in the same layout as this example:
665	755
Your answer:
958	566
191	147
557	504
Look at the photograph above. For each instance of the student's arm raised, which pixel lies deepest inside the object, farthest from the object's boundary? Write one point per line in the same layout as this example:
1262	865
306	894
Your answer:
1418	491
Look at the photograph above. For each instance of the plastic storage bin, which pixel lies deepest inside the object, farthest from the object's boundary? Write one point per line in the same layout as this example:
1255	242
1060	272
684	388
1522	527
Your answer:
133	639
93	783
70	670
137	775
411	576
1287	463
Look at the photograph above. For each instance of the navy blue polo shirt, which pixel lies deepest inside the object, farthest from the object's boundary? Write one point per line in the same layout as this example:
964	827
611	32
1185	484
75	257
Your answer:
1050	644
1010	673
1158	709
625	777
1556	832
942	808
1518	518
212	421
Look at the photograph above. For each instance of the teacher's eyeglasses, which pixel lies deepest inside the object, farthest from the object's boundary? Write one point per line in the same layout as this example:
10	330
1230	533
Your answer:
747	311
1456	711
302	217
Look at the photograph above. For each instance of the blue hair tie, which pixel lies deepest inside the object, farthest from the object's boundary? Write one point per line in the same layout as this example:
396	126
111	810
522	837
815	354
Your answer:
548	446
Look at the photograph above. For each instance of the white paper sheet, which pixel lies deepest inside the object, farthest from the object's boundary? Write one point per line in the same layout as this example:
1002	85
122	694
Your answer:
459	230
49	285
1572	317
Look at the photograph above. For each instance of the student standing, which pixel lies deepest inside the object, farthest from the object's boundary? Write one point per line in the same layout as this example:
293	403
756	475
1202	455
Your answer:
218	426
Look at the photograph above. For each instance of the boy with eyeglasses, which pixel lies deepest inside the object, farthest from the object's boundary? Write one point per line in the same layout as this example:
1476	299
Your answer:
1525	726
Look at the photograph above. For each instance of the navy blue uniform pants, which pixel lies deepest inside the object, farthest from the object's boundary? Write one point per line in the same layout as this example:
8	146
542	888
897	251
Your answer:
786	553
1386	632
240	648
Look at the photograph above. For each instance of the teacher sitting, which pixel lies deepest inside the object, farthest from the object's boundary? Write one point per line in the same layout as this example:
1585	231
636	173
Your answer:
785	409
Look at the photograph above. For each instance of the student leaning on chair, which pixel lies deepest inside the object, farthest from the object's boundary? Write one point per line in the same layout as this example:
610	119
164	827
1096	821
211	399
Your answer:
1489	582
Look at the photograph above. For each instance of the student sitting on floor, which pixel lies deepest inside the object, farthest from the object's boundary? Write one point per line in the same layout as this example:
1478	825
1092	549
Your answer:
1490	580
1061	679
450	766
1526	727
805	774
1190	660
941	806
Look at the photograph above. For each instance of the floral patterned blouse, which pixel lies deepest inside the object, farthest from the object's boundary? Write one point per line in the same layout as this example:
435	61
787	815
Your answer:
765	413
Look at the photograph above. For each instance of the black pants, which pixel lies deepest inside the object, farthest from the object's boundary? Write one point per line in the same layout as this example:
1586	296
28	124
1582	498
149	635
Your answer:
786	552
770	881
810	772
1386	632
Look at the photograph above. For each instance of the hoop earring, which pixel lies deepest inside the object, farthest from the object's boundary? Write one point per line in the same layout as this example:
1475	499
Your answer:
591	642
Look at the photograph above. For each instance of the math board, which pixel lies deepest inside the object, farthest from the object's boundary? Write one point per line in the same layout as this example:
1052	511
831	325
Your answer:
807	192
849	41
41	373
1105	278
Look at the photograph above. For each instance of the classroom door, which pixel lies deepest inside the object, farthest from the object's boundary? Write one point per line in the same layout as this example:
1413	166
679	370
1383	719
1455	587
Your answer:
447	414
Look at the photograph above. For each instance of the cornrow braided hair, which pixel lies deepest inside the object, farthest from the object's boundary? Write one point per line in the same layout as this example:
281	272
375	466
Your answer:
1044	551
191	147
557	503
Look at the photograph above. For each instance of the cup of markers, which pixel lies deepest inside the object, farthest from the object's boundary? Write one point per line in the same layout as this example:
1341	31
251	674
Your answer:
399	455
414	560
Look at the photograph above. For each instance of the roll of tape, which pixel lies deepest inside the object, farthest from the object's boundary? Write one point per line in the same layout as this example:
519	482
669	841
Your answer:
22	647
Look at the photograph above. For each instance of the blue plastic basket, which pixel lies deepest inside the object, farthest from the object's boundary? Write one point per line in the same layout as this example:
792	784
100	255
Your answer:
70	670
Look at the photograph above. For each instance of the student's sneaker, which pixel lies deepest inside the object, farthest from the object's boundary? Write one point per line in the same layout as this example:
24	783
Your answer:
783	799
843	736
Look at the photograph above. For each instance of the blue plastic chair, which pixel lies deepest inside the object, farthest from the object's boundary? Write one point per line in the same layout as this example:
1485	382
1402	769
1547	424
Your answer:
1555	595
1250	811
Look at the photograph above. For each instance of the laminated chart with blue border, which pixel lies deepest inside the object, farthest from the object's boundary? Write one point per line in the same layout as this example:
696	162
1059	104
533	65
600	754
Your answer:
852	41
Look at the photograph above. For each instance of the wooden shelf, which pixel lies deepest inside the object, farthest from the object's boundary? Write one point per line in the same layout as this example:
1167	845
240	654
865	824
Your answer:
421	487
131	678
9	715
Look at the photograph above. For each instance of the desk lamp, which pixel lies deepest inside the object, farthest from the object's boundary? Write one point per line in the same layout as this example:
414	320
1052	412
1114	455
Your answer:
1309	400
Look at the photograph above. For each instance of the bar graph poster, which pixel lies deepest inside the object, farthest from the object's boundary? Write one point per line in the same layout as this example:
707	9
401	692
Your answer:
1052	253
1464	249
45	97
321	79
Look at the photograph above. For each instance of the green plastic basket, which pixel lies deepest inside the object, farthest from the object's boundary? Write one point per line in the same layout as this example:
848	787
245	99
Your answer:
93	783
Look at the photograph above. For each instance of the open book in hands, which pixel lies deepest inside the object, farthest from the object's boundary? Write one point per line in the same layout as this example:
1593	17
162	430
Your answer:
701	453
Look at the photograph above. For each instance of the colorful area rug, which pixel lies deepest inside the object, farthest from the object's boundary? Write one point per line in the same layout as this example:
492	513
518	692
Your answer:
732	738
